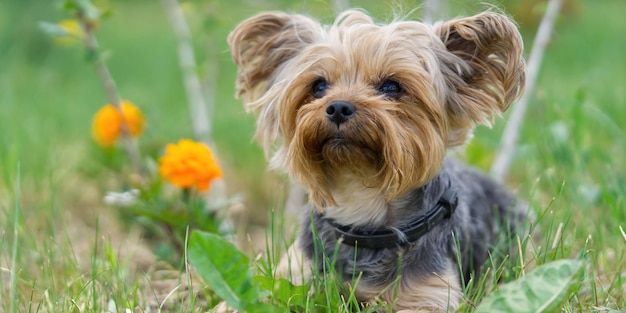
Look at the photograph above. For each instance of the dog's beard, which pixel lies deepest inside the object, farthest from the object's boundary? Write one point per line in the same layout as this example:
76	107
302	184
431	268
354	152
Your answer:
343	153
379	149
320	151
353	147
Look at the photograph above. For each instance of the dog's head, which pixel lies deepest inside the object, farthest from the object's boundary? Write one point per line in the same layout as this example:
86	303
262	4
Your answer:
377	104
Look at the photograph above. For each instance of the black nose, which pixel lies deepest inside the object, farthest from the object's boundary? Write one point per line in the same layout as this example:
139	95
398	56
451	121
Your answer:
339	111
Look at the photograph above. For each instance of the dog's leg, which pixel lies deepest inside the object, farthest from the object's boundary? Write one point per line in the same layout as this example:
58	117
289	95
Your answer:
441	292
294	265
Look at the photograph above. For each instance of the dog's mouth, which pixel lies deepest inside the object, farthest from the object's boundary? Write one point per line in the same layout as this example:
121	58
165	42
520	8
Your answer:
335	141
339	141
341	150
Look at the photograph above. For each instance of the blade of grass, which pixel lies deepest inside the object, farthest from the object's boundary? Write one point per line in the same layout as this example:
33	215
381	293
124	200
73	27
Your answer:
13	274
94	267
192	292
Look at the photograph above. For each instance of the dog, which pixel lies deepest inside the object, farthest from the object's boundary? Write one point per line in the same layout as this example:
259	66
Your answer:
362	115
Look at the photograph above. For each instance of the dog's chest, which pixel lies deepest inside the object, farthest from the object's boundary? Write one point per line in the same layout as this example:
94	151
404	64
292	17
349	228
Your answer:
373	268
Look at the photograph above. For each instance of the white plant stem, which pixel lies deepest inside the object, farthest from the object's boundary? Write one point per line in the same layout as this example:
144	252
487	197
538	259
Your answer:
187	60
340	5
199	106
434	10
510	137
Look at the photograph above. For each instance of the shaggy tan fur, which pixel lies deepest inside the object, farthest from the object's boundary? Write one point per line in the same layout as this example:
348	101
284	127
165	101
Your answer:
456	74
407	92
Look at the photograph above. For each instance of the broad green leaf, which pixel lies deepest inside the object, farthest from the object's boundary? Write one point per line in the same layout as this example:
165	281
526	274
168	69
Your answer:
260	307
283	291
545	289
224	268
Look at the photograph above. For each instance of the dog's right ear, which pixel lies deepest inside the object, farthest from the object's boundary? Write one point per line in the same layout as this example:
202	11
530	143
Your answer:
484	68
261	45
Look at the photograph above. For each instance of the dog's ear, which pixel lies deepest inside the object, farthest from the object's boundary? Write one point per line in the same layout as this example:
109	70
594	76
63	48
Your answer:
261	44
484	68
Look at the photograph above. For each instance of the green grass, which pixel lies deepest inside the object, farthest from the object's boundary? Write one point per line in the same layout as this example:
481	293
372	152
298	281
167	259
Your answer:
63	250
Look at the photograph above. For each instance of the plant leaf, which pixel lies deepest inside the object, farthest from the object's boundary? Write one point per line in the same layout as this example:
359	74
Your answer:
545	289
224	268
53	29
90	10
284	292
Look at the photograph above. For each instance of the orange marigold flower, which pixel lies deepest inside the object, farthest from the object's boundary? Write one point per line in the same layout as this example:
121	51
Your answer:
189	164
107	123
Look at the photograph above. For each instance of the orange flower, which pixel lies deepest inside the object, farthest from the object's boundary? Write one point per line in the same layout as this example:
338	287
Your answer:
189	164
107	123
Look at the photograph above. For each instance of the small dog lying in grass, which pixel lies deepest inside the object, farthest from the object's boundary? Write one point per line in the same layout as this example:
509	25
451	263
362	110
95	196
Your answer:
361	115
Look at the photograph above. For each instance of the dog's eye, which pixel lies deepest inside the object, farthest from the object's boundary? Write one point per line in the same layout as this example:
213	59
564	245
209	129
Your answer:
318	89
390	88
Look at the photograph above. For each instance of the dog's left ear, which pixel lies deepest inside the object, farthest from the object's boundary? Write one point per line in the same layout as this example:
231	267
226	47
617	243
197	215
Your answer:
262	47
484	68
262	44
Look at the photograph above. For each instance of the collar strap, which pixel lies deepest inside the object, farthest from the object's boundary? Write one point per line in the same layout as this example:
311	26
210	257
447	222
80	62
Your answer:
387	238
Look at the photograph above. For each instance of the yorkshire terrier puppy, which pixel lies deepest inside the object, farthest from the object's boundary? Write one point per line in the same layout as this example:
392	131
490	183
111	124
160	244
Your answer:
361	115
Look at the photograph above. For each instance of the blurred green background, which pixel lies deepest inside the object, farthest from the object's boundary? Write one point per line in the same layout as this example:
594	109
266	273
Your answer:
572	144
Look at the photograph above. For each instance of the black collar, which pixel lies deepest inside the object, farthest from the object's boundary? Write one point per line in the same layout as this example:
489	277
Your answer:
387	238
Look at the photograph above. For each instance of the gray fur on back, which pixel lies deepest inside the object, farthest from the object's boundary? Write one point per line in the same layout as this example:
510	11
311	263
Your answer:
484	208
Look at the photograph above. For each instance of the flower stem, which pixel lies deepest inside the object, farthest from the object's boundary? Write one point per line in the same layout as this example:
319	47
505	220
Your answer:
110	89
186	196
